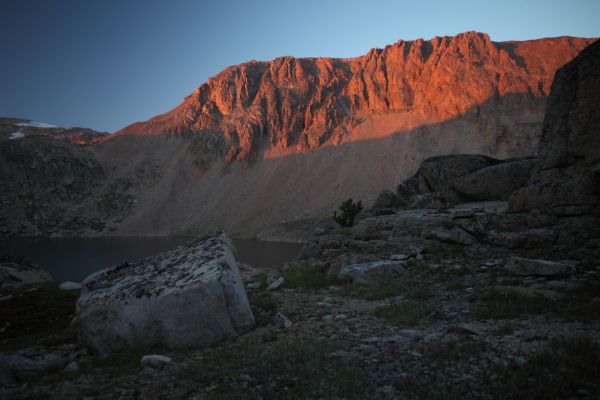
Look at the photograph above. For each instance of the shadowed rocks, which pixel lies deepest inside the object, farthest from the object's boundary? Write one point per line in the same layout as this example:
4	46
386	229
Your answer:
566	180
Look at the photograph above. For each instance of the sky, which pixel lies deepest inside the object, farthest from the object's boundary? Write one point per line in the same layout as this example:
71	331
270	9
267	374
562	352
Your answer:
104	64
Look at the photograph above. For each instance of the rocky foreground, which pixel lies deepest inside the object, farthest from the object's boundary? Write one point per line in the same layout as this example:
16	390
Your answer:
430	295
418	319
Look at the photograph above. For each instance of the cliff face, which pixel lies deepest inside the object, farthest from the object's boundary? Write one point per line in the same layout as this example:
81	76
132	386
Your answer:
566	180
293	105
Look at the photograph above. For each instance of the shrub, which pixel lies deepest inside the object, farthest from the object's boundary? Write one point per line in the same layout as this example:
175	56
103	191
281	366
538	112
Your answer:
349	211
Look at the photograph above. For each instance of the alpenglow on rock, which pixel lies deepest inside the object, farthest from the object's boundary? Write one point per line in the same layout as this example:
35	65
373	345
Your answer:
192	295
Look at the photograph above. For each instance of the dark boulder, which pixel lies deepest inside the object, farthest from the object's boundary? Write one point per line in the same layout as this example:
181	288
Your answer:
496	182
566	180
438	174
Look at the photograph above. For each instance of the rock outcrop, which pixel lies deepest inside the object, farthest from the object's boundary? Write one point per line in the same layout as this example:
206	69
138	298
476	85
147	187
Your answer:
190	296
43	181
28	363
17	273
553	199
528	267
566	181
52	183
458	178
496	182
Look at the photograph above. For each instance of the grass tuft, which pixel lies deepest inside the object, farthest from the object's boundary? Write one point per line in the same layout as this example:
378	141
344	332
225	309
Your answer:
307	277
565	368
453	351
39	317
406	312
263	304
377	291
507	328
512	304
282	370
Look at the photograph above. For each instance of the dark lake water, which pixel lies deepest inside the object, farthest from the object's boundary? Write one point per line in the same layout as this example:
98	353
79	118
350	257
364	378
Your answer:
68	259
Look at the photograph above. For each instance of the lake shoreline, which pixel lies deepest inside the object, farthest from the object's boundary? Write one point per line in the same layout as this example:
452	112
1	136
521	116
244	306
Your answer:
73	259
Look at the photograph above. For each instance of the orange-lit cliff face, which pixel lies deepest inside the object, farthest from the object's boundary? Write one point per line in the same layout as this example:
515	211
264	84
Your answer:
291	105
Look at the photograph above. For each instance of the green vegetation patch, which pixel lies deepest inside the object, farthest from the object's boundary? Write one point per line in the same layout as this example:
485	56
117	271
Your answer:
496	304
375	292
507	328
406	312
115	365
281	370
386	289
308	277
581	303
566	368
454	350
38	317
264	306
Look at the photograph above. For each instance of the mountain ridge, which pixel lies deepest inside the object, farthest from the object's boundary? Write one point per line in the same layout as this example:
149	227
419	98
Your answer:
298	104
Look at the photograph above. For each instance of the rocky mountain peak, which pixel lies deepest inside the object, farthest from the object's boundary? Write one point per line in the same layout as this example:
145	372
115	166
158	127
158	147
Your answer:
298	104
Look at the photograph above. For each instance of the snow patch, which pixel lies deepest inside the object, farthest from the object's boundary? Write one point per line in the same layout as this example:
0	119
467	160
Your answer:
16	135
36	124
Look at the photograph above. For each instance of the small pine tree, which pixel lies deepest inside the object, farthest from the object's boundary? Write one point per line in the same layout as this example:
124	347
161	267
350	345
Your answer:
349	211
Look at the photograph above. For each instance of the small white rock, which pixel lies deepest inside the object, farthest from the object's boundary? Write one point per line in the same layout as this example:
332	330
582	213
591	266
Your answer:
276	284
68	285
253	285
155	361
399	257
72	366
282	321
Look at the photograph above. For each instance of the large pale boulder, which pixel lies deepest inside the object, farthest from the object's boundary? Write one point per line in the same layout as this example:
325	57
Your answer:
190	296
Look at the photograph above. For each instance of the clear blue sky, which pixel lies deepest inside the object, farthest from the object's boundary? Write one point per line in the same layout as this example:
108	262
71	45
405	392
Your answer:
106	63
